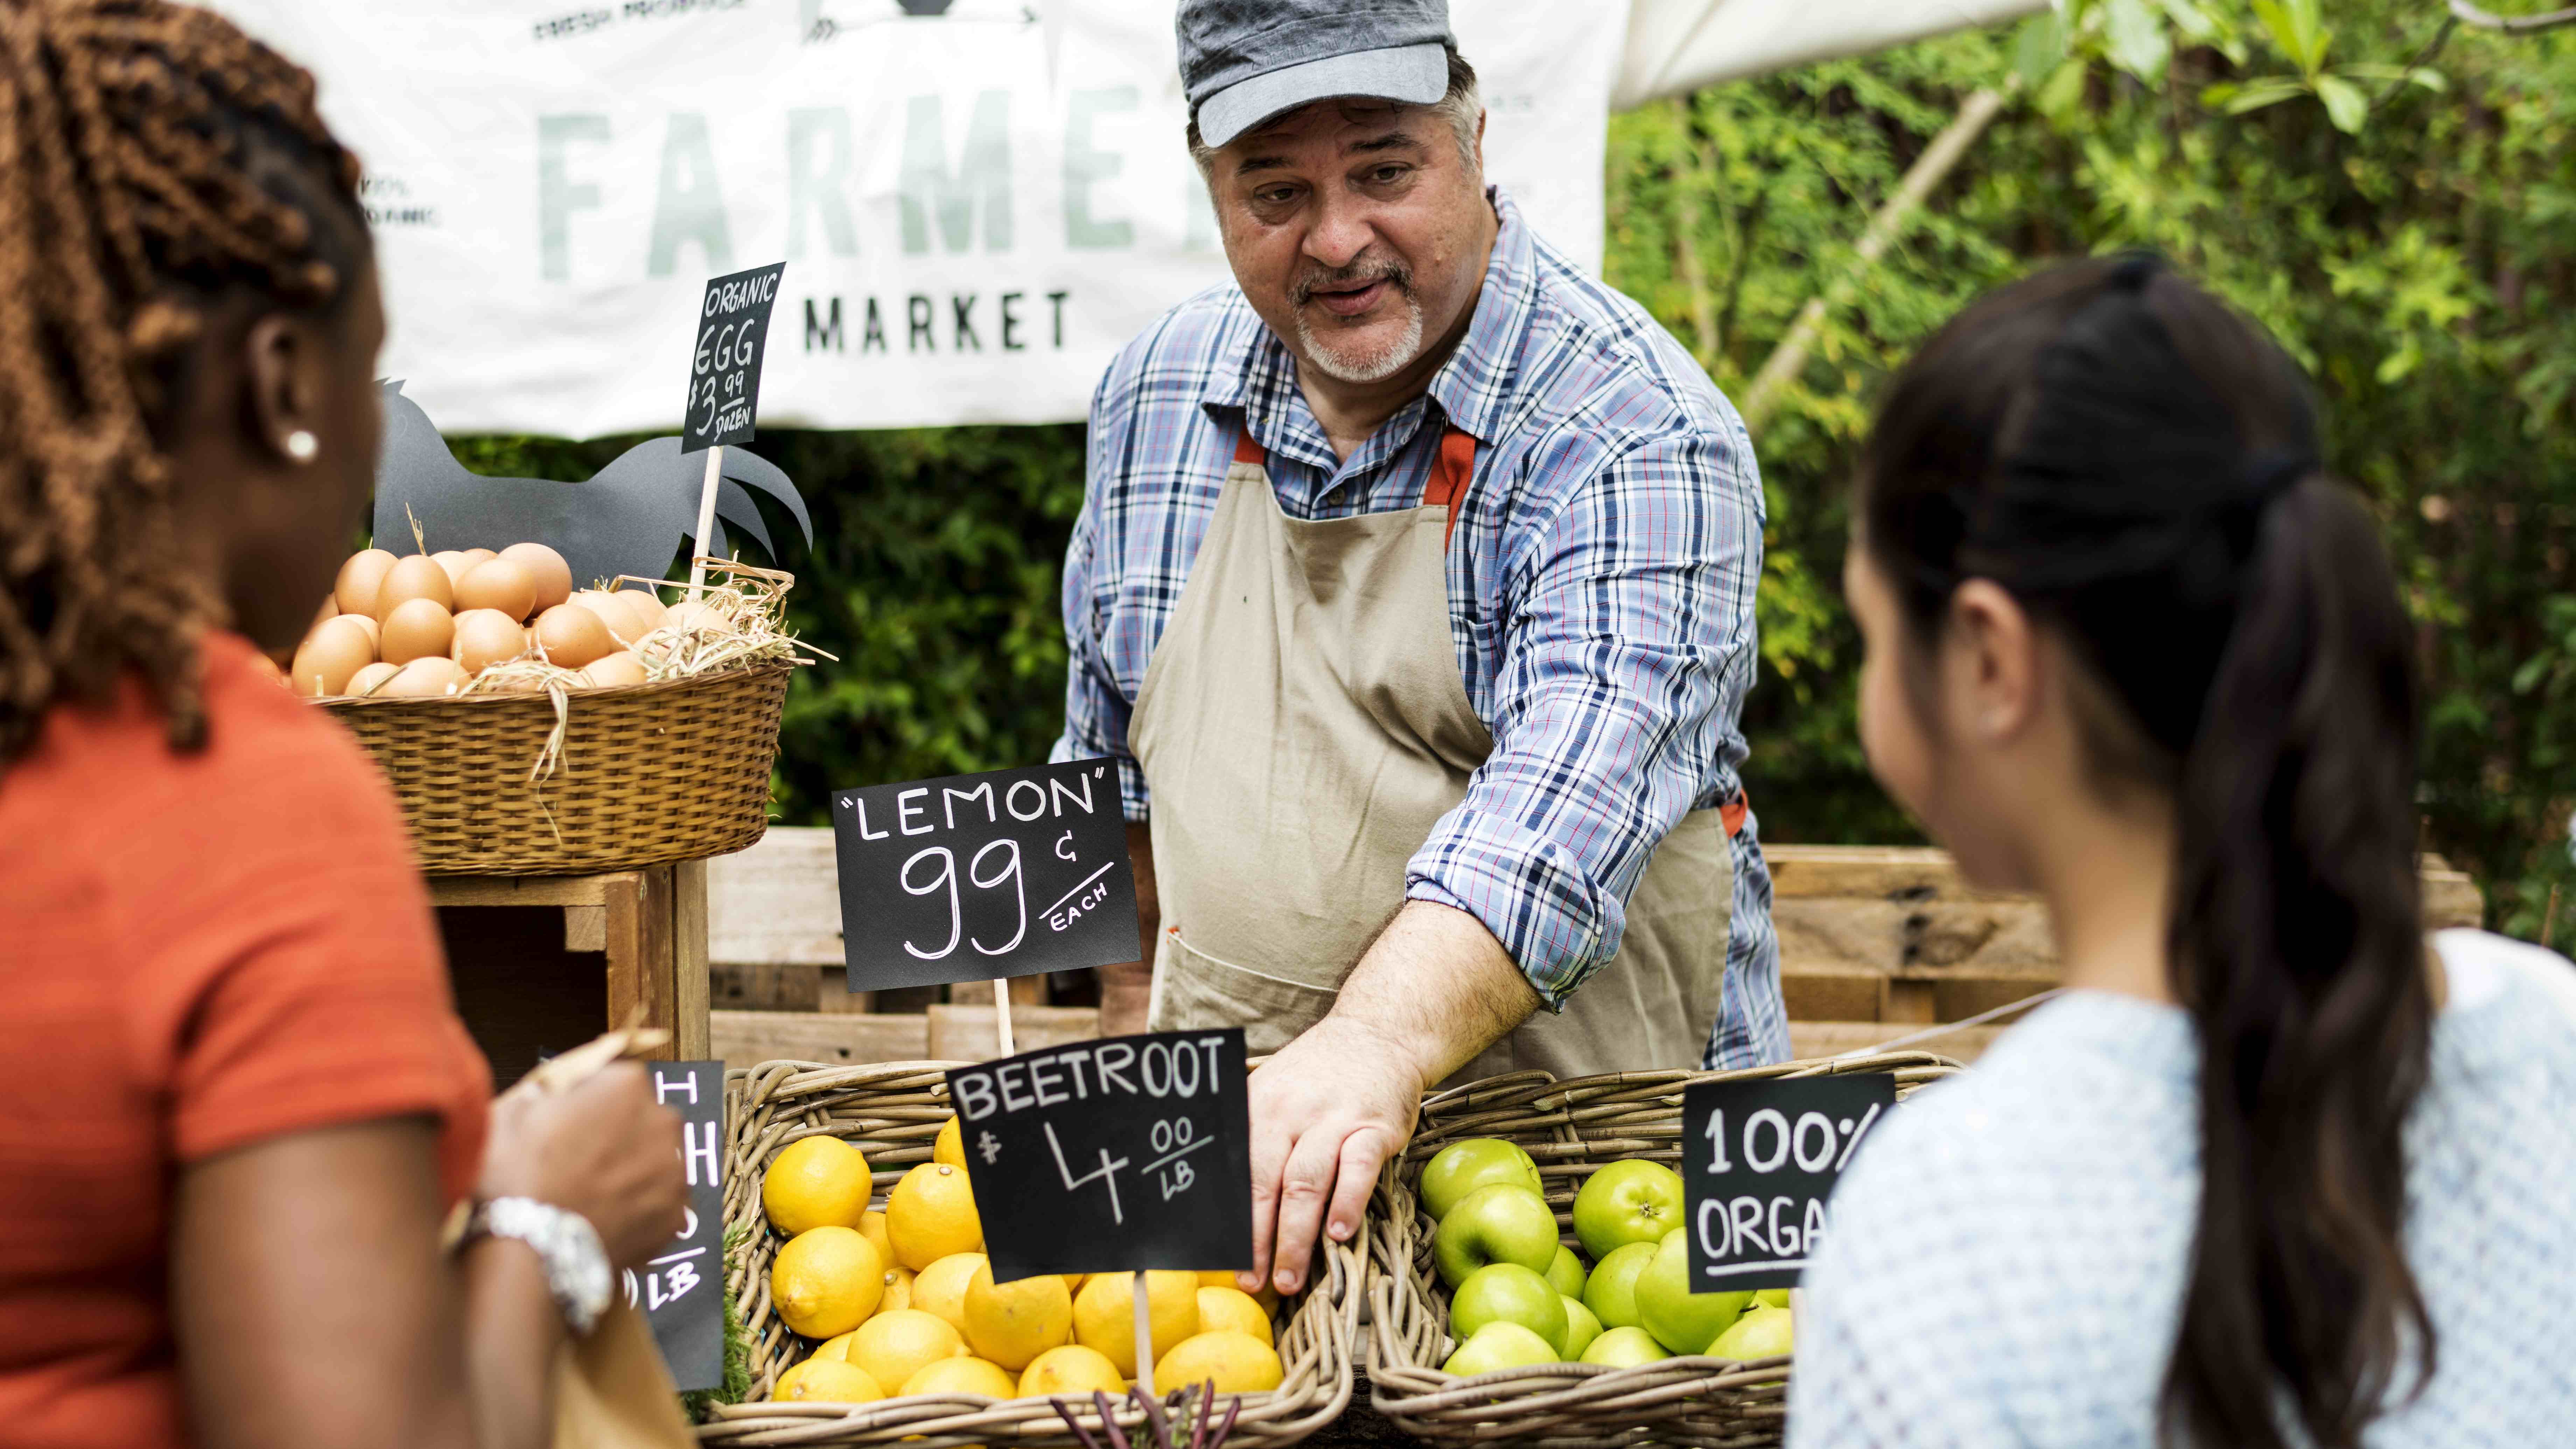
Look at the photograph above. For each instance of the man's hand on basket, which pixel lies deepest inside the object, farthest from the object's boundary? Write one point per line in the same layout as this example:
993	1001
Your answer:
1331	1107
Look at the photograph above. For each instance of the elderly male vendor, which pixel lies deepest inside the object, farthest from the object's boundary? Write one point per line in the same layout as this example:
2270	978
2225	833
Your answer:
1413	592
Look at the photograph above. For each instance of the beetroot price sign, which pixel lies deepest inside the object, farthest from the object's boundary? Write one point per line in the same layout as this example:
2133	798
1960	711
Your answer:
1105	1156
976	877
1759	1160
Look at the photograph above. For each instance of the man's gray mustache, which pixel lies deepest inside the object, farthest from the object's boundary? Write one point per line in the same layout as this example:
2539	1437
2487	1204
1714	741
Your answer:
1354	278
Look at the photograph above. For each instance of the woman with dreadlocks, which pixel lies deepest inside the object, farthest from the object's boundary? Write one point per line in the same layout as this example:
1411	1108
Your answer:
238	1101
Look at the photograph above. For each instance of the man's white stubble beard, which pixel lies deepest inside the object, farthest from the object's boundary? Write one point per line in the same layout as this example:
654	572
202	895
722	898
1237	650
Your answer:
1346	367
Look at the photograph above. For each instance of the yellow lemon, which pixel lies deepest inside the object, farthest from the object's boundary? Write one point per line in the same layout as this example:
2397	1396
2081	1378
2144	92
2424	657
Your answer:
941	1287
1073	1372
931	1214
949	1146
836	1347
1104	1314
962	1376
1232	1308
1238	1362
871	1225
898	1290
828	1381
1012	1323
1073	1281
1265	1295
892	1347
826	1281
818	1182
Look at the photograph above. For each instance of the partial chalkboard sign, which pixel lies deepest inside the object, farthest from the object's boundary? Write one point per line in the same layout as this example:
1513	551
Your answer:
1759	1159
724	367
682	1289
975	877
1104	1156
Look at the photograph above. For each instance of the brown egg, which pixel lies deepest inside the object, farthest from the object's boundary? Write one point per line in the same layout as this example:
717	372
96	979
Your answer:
572	636
359	579
689	614
612	611
610	671
477	557
375	634
547	567
485	637
503	584
456	561
416	630
327	657
645	606
266	667
416	577
330	610
365	681
424	679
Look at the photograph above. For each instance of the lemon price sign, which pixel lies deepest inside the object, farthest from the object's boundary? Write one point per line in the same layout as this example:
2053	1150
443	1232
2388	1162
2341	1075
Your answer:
1117	1154
1759	1160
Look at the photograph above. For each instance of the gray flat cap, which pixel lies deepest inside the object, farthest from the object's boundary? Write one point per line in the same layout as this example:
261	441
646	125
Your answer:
1245	61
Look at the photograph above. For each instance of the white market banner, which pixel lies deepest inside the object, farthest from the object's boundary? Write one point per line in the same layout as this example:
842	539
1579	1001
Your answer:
978	201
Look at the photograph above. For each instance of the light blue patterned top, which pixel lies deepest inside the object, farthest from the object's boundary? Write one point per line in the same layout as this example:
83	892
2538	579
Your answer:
2006	1265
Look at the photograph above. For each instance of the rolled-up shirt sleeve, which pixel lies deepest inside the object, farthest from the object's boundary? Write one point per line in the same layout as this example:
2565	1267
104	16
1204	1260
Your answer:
1628	644
1096	710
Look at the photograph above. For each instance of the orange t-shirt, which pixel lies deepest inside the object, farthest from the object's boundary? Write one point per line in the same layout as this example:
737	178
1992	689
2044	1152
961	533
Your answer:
197	952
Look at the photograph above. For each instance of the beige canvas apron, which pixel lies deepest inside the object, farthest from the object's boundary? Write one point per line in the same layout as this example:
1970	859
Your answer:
1302	726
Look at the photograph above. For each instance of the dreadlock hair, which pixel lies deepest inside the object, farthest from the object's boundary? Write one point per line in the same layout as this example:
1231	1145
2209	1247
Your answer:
154	163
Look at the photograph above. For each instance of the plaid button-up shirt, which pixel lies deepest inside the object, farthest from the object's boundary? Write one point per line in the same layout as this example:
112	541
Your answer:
1601	582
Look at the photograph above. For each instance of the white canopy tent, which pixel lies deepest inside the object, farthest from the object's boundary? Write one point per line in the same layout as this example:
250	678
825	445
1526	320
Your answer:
978	201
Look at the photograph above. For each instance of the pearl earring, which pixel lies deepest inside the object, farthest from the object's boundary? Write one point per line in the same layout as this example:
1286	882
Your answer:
302	446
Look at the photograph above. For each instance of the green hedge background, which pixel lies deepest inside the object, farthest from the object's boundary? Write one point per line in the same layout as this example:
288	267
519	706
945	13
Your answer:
2394	197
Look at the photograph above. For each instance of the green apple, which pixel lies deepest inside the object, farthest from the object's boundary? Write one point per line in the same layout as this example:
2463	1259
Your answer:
1611	1293
1498	1223
1760	1333
1623	1348
1635	1201
1499	1346
1566	1273
1770	1298
1462	1167
1679	1319
1508	1293
1580	1328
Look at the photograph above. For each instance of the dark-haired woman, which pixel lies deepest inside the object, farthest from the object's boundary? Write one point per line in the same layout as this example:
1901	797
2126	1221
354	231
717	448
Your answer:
2272	1172
237	1102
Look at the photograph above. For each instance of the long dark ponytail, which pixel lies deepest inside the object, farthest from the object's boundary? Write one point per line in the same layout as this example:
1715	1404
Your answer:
2139	467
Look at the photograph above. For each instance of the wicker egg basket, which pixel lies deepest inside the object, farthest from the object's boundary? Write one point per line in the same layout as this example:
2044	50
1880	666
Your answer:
892	1111
1572	1129
648	773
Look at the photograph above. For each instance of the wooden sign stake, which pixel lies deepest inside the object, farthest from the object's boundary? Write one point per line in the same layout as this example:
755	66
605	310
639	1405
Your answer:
1144	1339
706	521
1002	1016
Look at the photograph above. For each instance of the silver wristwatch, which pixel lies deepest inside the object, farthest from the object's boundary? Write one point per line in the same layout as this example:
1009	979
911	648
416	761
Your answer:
565	1242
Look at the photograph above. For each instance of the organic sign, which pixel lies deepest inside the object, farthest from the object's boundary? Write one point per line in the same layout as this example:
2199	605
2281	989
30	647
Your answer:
1103	1156
1759	1158
974	877
682	1288
724	370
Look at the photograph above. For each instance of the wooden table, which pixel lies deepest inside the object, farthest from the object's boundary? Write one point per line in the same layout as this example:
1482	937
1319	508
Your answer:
542	963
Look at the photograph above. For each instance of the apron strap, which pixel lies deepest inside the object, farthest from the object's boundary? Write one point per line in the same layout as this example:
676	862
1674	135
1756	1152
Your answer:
1451	469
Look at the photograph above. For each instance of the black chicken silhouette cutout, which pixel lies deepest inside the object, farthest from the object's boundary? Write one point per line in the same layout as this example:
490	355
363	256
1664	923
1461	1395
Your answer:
628	518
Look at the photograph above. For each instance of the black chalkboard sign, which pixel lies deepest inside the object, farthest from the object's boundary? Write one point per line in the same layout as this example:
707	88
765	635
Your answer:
682	1289
1103	1156
1759	1158
974	877
724	367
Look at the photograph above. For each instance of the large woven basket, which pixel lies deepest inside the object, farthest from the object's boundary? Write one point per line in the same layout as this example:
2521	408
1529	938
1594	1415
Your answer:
1571	1129
892	1111
647	774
